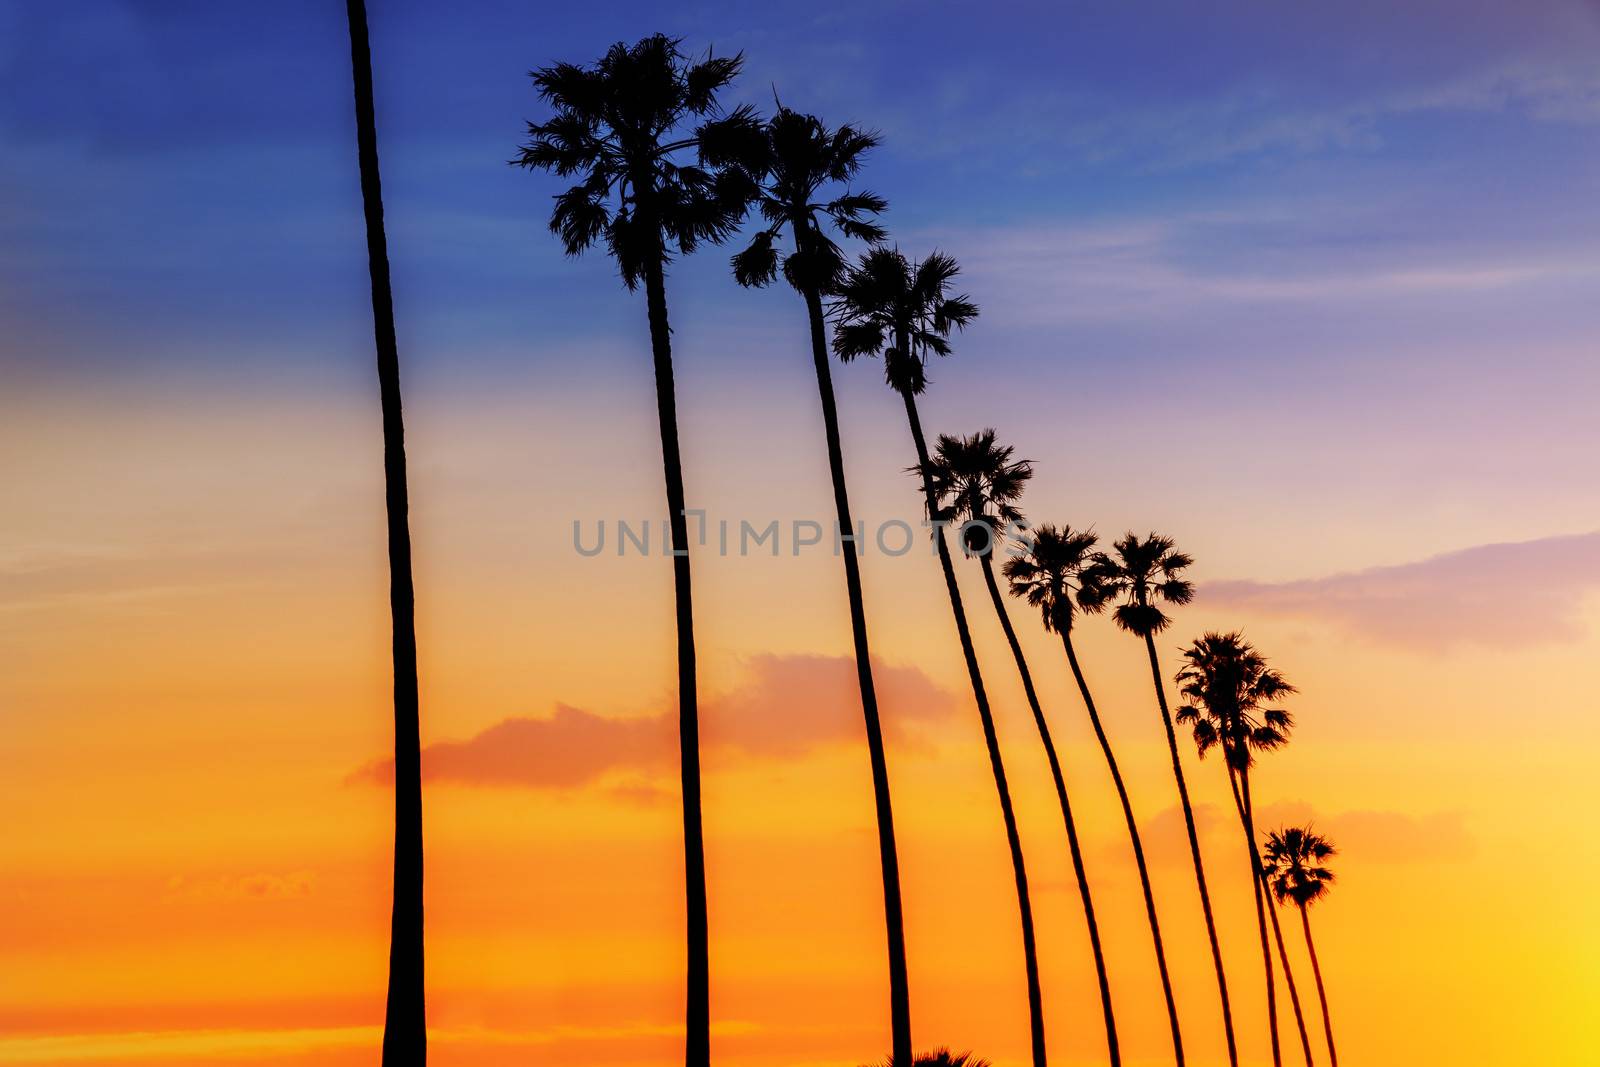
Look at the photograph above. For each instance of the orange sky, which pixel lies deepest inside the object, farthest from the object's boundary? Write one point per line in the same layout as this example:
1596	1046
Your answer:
193	675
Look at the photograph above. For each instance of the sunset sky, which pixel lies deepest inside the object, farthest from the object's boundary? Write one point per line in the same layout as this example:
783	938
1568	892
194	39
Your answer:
1311	288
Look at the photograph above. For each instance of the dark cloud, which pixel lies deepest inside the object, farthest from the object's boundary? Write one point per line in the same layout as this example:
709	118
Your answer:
786	706
1524	593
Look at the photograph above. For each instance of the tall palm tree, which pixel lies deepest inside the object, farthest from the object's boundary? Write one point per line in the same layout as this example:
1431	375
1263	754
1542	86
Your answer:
1145	575
1296	861
978	484
888	306
1231	694
653	184
1057	575
405	1028
805	165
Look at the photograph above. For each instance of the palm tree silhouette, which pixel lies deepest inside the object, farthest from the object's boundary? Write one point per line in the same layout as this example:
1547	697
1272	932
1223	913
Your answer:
1144	575
1058	575
1295	859
804	161
941	1057
902	311
1231	694
978	484
652	186
405	1028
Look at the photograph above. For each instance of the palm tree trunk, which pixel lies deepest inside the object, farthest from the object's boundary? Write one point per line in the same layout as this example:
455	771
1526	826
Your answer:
1322	995
405	1031
697	1009
1261	912
1066	807
888	856
1194	851
1144	870
1030	955
1247	811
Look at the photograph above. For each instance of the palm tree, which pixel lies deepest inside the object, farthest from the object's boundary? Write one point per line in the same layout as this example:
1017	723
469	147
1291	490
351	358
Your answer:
1058	576
1231	694
978	484
1295	864
653	186
902	311
941	1057
804	163
1145	575
405	1028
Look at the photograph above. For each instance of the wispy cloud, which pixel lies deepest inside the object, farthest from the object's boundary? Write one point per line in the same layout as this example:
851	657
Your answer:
786	706
1517	594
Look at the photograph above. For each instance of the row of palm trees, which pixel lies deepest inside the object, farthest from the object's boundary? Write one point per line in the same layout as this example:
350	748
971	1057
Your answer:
659	169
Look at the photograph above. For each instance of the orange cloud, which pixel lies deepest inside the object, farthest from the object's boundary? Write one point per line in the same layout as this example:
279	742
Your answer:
786	706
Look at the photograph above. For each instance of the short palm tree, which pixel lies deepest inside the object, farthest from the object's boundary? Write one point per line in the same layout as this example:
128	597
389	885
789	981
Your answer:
405	1028
803	169
1296	868
977	484
903	311
1057	575
1232	698
1144	576
941	1057
642	131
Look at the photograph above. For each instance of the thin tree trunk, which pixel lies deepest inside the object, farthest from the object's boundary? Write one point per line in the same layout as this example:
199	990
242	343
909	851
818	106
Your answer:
1322	995
1261	912
697	1009
1144	870
1249	815
888	857
405	1030
1030	955
1112	1045
1194	850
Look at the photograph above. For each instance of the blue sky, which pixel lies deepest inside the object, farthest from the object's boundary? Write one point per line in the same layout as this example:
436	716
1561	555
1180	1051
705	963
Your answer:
179	177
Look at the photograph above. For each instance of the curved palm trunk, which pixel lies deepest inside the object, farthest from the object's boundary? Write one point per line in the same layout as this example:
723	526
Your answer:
1194	852
1261	914
1144	870
1247	813
1030	955
1066	807
1322	995
888	857
697	1008
405	1032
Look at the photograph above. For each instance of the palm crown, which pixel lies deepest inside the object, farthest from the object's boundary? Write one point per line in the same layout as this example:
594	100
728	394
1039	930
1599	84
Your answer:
889	305
649	184
1231	695
1057	575
975	481
1294	860
800	158
1144	574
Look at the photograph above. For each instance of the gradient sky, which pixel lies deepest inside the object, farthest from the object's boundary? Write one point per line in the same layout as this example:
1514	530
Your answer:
1312	290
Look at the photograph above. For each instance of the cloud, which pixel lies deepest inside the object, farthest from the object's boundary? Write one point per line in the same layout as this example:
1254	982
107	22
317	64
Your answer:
786	706
263	886
1377	836
1517	594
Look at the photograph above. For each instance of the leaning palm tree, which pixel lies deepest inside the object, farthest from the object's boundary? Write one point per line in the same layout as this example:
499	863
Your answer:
1146	575
1057	575
1295	865
805	165
654	184
1231	703
405	1029
978	484
902	311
